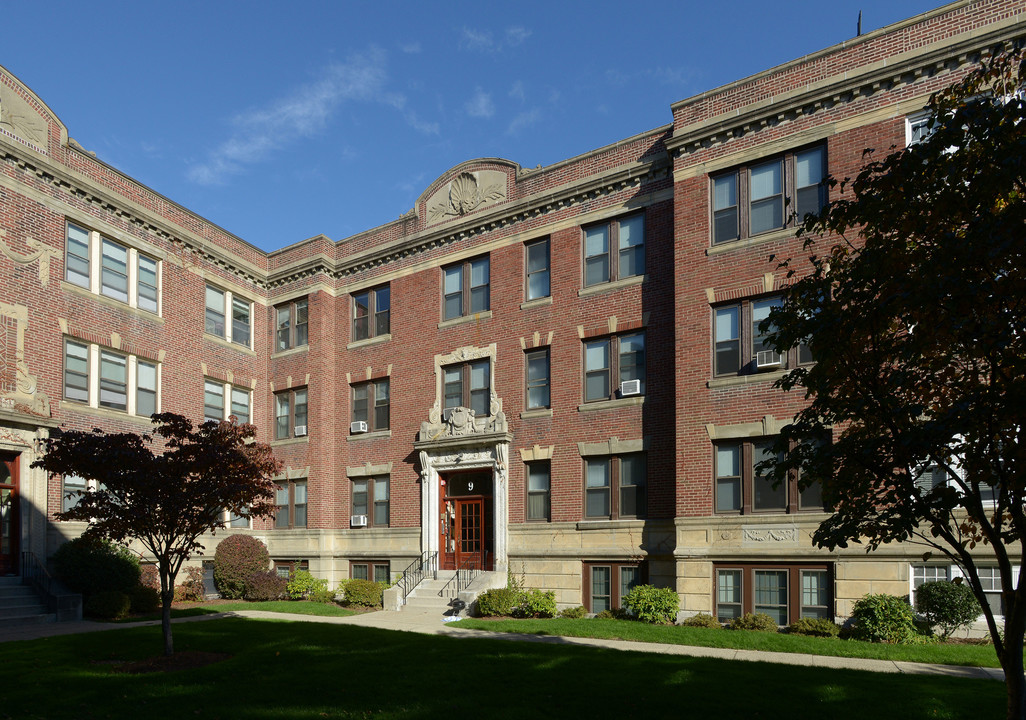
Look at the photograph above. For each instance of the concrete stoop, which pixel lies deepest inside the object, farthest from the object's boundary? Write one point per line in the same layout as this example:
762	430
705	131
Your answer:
20	605
425	597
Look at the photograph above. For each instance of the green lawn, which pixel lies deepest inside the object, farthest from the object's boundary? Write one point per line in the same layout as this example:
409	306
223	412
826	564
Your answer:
298	607
308	671
945	654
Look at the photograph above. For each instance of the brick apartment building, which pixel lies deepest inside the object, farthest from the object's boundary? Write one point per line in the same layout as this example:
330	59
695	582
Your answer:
553	371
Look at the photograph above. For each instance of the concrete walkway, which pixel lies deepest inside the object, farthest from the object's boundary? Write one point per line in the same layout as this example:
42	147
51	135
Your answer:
430	623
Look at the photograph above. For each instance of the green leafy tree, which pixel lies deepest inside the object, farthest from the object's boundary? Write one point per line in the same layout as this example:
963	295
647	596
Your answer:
167	489
913	301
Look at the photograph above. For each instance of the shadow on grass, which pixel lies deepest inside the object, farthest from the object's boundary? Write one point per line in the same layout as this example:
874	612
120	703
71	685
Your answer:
303	671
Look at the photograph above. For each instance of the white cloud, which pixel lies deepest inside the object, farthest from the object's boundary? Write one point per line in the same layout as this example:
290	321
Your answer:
304	113
516	35
481	105
517	91
477	40
523	120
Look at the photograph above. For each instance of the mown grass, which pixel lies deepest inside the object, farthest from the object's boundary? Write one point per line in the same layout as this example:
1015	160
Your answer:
939	653
308	671
297	607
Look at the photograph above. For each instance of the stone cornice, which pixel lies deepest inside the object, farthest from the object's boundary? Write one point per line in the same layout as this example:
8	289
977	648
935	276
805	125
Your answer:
839	89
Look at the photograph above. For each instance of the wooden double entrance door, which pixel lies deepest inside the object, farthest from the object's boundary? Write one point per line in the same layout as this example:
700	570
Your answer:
467	528
8	513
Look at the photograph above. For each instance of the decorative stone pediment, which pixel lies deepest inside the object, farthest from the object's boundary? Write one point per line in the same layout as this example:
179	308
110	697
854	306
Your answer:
466	193
461	422
20	119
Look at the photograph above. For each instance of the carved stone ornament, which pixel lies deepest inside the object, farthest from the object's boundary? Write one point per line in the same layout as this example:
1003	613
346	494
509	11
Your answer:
459	422
466	194
771	535
20	119
19	388
39	252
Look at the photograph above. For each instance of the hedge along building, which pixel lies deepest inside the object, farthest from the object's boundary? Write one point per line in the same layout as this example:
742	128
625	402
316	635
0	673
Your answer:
555	372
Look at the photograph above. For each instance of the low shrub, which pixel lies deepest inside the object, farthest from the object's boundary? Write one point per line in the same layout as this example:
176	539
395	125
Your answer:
364	593
149	576
499	602
193	589
536	604
267	585
236	558
652	604
322	595
947	605
91	566
754	621
884	618
108	605
144	599
702	620
816	627
573	613
612	614
302	584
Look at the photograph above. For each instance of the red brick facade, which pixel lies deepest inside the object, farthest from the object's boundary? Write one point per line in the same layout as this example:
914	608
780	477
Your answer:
841	101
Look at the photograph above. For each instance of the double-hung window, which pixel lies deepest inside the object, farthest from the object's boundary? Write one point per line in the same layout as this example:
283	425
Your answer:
614	486
222	305
768	195
465	288
371	313
222	400
614	367
290	414
607	583
614	250
468	385
111	269
741	345
371	404
537	281
784	592
371	499
538	482
103	378
290	502
538	380
740	488
376	570
292	324
213	401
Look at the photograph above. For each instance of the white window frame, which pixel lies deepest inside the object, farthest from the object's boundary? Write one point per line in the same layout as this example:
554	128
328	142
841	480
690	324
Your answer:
93	354
228	393
953	571
94	242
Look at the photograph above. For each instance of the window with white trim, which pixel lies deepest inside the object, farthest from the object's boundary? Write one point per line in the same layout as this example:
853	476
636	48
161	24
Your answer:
112	269
221	400
99	377
227	316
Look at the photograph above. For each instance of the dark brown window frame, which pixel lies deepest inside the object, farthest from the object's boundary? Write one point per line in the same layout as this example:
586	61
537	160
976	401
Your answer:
613	251
292	334
615	599
547	271
547	465
747	332
615	368
528	386
792	494
788	193
290	486
372	499
615	488
794	587
466	291
465	389
291	393
372	419
372	565
291	565
379	322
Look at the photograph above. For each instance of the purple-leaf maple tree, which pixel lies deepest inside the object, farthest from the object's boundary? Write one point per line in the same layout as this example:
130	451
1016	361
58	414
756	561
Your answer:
166	489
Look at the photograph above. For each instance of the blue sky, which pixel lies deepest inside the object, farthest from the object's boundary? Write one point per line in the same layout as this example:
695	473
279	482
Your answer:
279	121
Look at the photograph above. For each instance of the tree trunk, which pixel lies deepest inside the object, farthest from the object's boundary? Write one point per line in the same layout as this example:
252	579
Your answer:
166	598
1011	663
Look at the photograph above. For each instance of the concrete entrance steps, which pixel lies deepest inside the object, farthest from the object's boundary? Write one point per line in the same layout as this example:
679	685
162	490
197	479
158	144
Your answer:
425	599
20	605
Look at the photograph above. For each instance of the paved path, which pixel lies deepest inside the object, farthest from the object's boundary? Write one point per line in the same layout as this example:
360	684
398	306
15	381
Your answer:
431	624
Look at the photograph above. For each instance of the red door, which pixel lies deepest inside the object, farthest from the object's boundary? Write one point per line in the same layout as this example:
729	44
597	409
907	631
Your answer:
469	533
8	514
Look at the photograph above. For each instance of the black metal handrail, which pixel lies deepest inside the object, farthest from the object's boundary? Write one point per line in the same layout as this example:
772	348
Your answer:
66	605
465	575
412	576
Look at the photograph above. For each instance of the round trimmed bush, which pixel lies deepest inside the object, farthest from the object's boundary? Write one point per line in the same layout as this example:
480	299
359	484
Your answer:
498	602
754	621
536	604
108	605
884	618
947	605
651	604
573	613
267	585
144	599
365	593
702	620
237	558
92	566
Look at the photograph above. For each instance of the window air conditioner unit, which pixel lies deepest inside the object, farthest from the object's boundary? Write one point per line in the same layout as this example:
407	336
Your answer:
767	359
358	427
630	387
358	521
300	430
